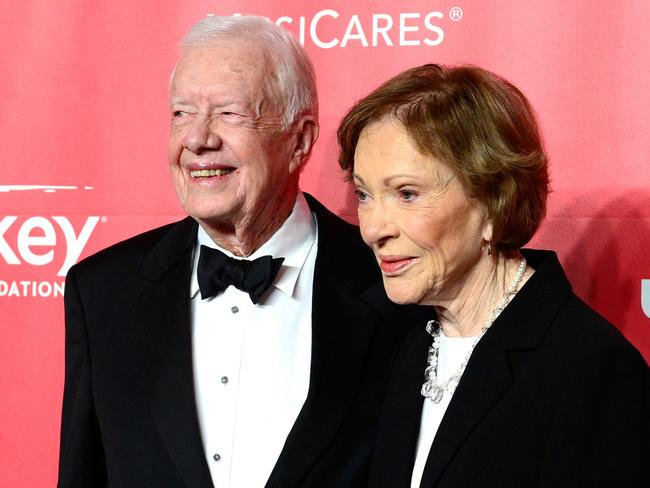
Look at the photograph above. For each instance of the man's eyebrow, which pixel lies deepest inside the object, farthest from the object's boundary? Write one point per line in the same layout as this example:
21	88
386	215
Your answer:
226	102
177	101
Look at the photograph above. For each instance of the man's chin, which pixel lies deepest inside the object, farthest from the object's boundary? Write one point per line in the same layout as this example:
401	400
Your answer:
212	217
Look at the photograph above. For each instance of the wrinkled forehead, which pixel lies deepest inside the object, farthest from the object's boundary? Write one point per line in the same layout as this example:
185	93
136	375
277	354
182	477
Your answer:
226	59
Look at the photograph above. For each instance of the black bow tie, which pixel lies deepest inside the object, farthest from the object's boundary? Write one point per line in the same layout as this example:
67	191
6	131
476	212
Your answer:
216	272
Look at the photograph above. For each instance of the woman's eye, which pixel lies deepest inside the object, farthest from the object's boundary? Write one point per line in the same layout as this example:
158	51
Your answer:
361	195
407	195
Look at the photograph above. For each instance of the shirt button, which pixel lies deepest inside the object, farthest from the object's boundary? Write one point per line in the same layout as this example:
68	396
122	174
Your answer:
216	457
234	309
224	379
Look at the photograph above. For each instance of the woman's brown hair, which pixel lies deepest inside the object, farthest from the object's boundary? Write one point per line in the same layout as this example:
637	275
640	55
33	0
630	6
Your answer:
477	123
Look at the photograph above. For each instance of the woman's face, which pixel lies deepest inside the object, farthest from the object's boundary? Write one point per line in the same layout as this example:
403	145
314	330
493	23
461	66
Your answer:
427	234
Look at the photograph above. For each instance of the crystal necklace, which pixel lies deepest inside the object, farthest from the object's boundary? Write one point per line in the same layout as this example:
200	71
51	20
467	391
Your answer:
433	390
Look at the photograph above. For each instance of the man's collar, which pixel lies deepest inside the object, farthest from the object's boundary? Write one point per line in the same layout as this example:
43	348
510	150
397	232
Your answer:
292	241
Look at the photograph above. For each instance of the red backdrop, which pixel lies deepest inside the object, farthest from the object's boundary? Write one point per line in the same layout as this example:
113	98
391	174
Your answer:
84	126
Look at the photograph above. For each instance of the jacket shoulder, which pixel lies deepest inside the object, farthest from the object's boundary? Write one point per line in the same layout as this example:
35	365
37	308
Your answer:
129	253
586	336
341	249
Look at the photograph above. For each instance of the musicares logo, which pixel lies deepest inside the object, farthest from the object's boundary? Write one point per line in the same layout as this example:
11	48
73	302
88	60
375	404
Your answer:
369	30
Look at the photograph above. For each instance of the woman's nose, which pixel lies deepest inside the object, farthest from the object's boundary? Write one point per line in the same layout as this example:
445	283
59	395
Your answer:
376	223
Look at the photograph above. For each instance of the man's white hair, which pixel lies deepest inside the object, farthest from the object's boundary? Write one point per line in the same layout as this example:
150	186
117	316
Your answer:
294	81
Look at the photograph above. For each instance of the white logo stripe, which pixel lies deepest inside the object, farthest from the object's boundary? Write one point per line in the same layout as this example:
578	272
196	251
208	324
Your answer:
45	188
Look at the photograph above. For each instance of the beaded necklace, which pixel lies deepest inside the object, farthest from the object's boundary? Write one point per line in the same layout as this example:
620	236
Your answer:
432	389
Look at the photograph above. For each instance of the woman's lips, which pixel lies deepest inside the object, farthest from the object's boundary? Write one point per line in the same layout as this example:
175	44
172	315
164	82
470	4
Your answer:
392	265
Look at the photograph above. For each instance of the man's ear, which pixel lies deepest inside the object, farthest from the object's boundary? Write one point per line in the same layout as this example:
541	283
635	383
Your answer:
305	133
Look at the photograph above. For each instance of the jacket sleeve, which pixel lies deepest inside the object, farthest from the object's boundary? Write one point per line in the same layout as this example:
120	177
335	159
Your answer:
601	433
81	458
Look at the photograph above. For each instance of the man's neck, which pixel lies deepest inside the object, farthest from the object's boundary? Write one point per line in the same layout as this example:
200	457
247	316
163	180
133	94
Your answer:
251	232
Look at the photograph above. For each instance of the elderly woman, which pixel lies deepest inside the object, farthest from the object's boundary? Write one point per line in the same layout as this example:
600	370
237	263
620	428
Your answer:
518	383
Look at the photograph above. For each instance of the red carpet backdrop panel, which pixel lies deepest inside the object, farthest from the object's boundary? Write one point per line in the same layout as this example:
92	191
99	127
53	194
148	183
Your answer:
85	120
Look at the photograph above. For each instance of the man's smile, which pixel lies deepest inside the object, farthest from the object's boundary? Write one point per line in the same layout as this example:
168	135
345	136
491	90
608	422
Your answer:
207	173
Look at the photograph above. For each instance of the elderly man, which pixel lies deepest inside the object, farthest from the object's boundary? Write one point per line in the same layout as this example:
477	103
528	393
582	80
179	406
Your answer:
175	378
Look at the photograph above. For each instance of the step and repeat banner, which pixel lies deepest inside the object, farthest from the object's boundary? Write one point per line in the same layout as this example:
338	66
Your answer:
83	148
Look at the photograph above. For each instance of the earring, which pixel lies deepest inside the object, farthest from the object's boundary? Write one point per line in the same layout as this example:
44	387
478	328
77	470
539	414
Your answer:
489	248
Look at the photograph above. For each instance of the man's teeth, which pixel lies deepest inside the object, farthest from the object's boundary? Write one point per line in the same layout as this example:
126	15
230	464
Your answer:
206	173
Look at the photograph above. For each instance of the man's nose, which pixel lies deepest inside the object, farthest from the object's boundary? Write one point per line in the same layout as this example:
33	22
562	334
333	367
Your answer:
202	135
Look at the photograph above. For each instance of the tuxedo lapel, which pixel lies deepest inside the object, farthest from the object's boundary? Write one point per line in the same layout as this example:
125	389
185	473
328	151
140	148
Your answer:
165	309
343	326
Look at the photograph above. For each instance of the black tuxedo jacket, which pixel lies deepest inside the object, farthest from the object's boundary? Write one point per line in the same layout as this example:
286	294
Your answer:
552	397
129	415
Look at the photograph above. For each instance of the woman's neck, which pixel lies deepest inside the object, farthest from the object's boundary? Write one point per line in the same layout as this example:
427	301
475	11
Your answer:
483	289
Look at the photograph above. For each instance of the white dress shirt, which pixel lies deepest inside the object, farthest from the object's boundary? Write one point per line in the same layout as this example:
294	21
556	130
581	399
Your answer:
451	355
252	362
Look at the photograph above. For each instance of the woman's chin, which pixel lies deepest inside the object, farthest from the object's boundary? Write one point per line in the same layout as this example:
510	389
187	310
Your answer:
402	296
407	295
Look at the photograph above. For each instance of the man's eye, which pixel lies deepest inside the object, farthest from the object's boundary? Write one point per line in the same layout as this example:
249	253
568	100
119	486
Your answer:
231	115
178	113
233	118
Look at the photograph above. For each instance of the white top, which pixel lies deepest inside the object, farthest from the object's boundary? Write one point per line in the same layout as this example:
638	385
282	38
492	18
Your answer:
252	362
452	353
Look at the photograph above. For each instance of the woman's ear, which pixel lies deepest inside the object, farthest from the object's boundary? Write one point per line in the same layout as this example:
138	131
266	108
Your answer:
487	227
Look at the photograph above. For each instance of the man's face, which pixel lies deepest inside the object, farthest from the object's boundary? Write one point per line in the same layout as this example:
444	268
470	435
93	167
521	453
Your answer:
230	161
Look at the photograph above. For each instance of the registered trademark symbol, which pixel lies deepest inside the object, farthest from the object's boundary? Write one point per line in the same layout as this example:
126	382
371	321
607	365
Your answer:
103	219
455	13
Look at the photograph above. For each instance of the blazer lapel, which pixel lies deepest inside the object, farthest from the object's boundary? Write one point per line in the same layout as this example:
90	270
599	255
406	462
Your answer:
165	309
399	427
521	326
474	397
